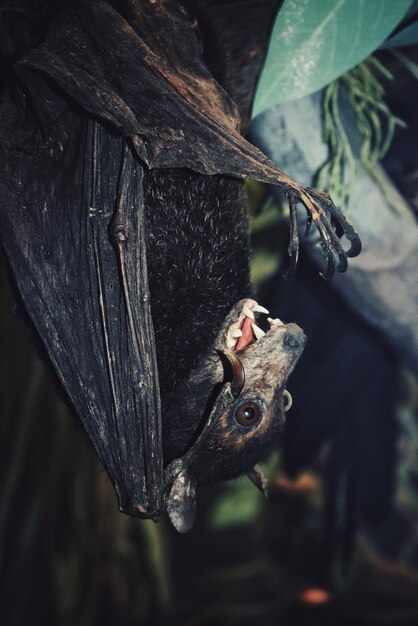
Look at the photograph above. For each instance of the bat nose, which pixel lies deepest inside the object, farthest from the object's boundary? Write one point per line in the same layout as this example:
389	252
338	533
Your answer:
294	337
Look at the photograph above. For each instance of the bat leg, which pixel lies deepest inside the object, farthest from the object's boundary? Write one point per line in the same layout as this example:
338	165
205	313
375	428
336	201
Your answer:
293	247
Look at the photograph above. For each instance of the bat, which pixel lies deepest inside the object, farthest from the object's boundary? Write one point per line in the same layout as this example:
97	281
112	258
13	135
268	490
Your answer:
124	224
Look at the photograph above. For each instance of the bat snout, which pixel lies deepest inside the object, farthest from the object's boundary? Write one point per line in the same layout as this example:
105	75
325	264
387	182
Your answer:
294	337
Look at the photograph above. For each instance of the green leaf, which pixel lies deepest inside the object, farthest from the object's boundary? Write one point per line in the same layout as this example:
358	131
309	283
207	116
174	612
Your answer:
315	41
406	37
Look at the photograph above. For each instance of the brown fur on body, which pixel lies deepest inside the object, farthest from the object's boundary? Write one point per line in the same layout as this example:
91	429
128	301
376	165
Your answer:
198	248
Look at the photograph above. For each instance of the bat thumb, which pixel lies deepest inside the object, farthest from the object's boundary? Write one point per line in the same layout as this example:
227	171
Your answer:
181	506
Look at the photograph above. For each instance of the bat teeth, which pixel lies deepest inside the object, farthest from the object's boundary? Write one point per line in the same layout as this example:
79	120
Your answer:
248	312
230	342
260	309
275	322
234	333
253	307
259	334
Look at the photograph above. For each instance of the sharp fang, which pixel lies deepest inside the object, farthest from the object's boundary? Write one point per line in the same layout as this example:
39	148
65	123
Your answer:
257	331
260	309
230	343
236	333
247	312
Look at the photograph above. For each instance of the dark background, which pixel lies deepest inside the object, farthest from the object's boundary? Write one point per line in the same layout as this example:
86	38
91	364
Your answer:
335	543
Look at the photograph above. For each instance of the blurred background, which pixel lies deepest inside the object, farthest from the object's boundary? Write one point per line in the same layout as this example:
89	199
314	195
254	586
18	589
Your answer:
337	539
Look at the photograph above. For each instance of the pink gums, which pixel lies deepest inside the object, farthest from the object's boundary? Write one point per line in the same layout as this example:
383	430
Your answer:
247	336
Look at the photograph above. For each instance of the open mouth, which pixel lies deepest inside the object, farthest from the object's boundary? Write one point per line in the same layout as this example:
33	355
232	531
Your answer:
243	333
245	330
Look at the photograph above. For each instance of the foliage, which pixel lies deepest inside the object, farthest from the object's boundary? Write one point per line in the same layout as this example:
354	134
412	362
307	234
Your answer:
314	46
376	125
313	43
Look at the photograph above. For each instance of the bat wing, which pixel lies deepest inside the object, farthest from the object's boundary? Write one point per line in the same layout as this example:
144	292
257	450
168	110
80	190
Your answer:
138	66
73	231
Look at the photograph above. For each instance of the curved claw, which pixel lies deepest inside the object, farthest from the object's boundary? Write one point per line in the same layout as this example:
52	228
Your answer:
316	204
355	241
327	250
330	271
338	249
338	229
348	231
339	219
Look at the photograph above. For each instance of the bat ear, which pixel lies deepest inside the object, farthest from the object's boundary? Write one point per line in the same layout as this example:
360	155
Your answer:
256	475
181	507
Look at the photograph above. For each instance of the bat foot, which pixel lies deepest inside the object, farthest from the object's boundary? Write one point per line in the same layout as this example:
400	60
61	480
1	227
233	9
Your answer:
319	206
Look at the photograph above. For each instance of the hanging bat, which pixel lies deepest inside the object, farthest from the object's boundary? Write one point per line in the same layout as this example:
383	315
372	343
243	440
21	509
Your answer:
124	223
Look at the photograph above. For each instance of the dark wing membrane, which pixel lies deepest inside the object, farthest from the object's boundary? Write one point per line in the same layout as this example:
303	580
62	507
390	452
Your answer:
84	282
137	64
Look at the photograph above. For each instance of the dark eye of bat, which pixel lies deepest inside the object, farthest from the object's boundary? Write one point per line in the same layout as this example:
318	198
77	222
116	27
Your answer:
248	414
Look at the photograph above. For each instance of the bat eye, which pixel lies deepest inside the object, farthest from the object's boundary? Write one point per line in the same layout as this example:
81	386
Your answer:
248	414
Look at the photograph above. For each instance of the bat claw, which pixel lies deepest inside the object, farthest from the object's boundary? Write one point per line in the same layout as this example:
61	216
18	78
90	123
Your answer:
355	247
293	261
318	205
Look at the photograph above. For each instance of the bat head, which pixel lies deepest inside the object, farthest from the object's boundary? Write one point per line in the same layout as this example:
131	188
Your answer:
247	413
